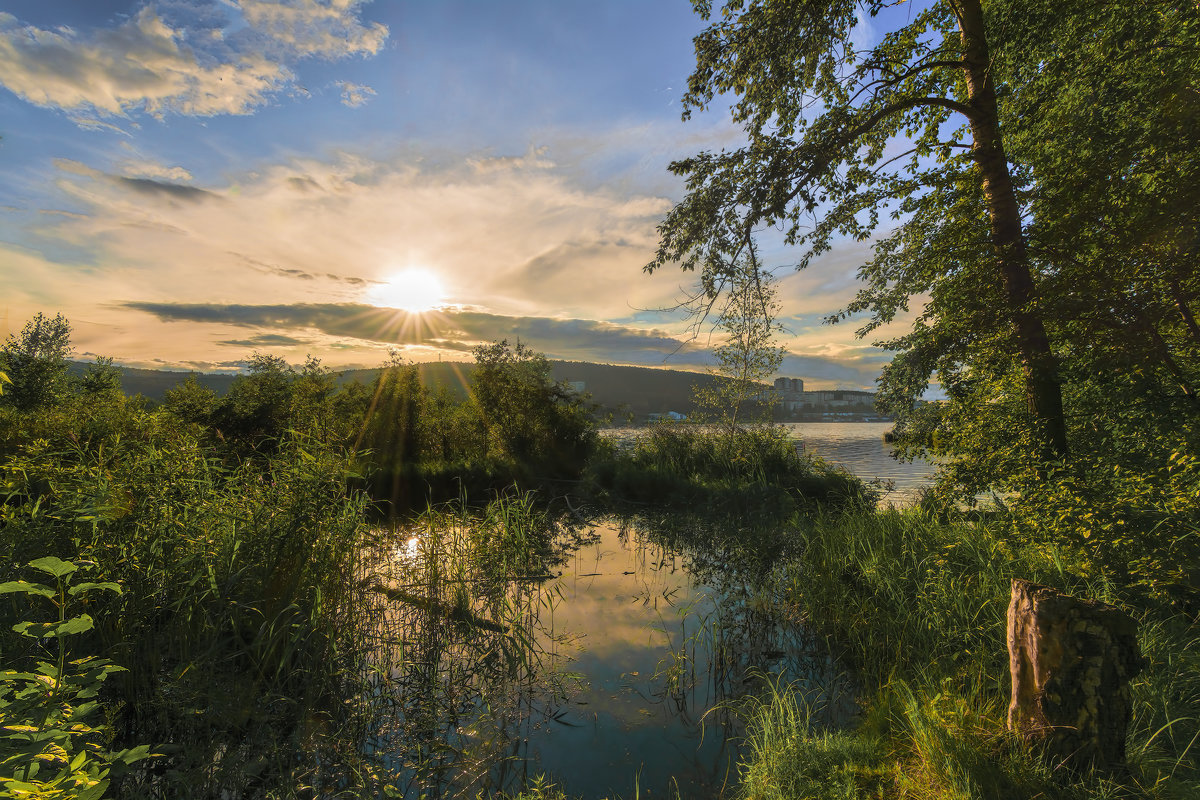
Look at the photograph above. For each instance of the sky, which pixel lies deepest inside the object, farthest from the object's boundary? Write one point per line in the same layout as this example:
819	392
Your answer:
193	181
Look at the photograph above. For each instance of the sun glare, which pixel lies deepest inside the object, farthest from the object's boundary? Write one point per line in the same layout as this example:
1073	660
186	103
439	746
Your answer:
414	290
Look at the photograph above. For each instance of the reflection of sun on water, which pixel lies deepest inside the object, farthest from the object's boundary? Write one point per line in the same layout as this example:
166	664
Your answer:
407	552
413	290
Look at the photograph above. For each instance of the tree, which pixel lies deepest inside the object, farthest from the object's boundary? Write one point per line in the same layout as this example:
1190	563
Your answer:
747	356
1104	114
36	362
391	428
258	407
101	379
191	401
823	120
530	418
1100	116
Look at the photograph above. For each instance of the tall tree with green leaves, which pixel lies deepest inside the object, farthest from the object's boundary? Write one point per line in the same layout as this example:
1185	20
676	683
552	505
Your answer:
36	362
530	418
838	136
1105	115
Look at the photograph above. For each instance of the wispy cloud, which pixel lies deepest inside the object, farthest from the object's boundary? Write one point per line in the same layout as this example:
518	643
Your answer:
354	94
523	246
325	28
516	238
451	329
152	65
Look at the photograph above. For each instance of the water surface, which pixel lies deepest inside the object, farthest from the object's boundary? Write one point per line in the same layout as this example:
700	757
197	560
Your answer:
860	448
644	644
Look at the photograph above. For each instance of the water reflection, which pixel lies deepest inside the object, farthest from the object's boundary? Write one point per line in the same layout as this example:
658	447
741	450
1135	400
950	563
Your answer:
614	675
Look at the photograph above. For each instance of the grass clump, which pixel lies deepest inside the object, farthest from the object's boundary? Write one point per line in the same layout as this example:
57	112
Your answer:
791	754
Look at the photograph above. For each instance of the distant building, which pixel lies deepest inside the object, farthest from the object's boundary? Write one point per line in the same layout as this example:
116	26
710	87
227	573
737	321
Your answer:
789	394
792	398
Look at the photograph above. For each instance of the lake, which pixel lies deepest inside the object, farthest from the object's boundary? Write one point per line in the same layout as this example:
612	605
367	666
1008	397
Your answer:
634	649
860	448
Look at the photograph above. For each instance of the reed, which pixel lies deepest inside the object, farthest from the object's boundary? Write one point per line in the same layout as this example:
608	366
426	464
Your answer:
916	606
236	626
460	587
740	468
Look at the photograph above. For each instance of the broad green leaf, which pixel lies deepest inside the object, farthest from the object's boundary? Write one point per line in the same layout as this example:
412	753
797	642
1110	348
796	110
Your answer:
53	565
106	586
27	588
53	630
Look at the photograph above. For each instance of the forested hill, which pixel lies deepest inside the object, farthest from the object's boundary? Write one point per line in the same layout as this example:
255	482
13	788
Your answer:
154	383
640	390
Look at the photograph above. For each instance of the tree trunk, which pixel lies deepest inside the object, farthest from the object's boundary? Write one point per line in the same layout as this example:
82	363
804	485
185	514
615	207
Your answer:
1071	662
1042	388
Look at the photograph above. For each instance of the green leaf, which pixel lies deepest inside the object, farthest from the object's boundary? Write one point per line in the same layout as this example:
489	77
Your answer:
106	586
135	754
53	565
27	588
54	630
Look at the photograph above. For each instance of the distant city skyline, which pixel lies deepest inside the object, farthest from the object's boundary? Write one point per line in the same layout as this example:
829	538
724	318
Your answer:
190	182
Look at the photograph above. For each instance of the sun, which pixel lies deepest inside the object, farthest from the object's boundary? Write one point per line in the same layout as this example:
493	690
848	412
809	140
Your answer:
414	290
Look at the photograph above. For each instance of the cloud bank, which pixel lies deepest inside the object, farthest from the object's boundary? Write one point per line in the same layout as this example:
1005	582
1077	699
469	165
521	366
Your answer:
191	67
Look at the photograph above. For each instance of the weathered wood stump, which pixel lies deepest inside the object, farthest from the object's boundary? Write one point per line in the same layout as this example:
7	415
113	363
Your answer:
1071	661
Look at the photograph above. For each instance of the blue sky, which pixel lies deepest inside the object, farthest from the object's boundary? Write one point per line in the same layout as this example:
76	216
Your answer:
189	181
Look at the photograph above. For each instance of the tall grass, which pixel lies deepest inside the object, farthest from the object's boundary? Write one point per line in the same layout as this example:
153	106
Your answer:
918	607
238	621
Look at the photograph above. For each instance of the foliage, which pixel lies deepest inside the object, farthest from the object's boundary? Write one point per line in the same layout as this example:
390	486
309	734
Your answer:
100	381
529	418
50	748
1095	108
191	402
791	754
843	135
694	466
1037	165
239	621
918	606
35	363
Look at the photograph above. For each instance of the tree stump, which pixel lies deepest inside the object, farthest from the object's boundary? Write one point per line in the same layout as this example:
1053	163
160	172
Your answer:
1071	661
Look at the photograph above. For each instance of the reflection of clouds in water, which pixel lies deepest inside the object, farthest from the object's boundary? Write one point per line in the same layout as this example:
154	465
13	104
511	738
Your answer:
621	617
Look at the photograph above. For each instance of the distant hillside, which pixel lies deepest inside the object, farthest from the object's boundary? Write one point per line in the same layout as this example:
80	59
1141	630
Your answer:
637	390
641	390
154	383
